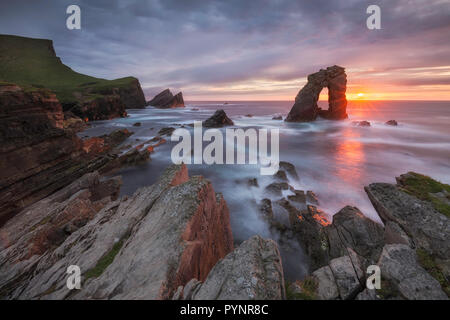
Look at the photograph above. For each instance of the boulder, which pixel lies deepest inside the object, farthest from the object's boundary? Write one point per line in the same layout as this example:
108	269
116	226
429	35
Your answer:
310	232
352	229
277	118
428	228
305	107
252	182
348	276
253	271
311	197
326	284
275	188
391	123
281	176
166	100
218	120
299	197
342	279
363	123
290	169
266	209
398	263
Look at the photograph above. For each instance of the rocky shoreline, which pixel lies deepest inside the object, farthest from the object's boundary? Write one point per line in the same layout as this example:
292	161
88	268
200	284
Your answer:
173	240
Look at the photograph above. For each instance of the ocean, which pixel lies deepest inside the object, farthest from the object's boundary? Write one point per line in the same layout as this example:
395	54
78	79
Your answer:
335	159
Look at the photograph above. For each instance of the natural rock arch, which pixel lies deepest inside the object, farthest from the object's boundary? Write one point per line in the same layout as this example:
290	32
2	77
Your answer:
305	107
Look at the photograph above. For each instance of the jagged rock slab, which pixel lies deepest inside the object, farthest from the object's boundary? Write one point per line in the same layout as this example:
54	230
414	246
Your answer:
290	169
142	247
166	100
398	264
351	228
38	230
253	271
428	228
342	279
326	284
348	274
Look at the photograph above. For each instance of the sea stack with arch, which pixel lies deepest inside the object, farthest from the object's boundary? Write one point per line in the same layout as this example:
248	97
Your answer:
305	107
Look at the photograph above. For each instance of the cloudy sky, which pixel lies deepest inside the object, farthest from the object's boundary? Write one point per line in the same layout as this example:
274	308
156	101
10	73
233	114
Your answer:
248	50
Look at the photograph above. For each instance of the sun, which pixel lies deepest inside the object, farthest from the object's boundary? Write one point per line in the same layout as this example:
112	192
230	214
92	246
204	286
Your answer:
360	95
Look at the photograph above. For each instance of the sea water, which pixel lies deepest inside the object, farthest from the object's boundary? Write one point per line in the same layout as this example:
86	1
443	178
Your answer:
335	159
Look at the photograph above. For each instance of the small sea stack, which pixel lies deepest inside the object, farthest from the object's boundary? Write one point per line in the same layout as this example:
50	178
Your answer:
166	100
217	120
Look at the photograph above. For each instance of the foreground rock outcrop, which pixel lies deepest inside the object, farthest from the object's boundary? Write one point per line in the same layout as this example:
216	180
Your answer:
166	100
253	271
305	107
411	250
141	247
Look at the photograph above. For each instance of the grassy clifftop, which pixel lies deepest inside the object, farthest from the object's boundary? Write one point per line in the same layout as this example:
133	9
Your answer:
33	63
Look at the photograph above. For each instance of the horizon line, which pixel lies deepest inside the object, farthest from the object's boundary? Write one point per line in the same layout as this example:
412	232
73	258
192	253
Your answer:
359	100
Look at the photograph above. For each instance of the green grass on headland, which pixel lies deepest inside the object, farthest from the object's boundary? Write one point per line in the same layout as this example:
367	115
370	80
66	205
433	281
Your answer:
32	63
425	188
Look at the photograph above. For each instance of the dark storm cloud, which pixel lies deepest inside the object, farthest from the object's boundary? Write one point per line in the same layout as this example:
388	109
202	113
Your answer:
214	43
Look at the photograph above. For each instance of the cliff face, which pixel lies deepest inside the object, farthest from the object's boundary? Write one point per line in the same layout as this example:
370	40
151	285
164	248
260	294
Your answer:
31	141
106	106
33	63
107	103
132	95
38	154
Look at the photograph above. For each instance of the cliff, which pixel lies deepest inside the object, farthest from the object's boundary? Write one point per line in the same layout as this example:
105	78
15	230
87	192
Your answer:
40	153
33	63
